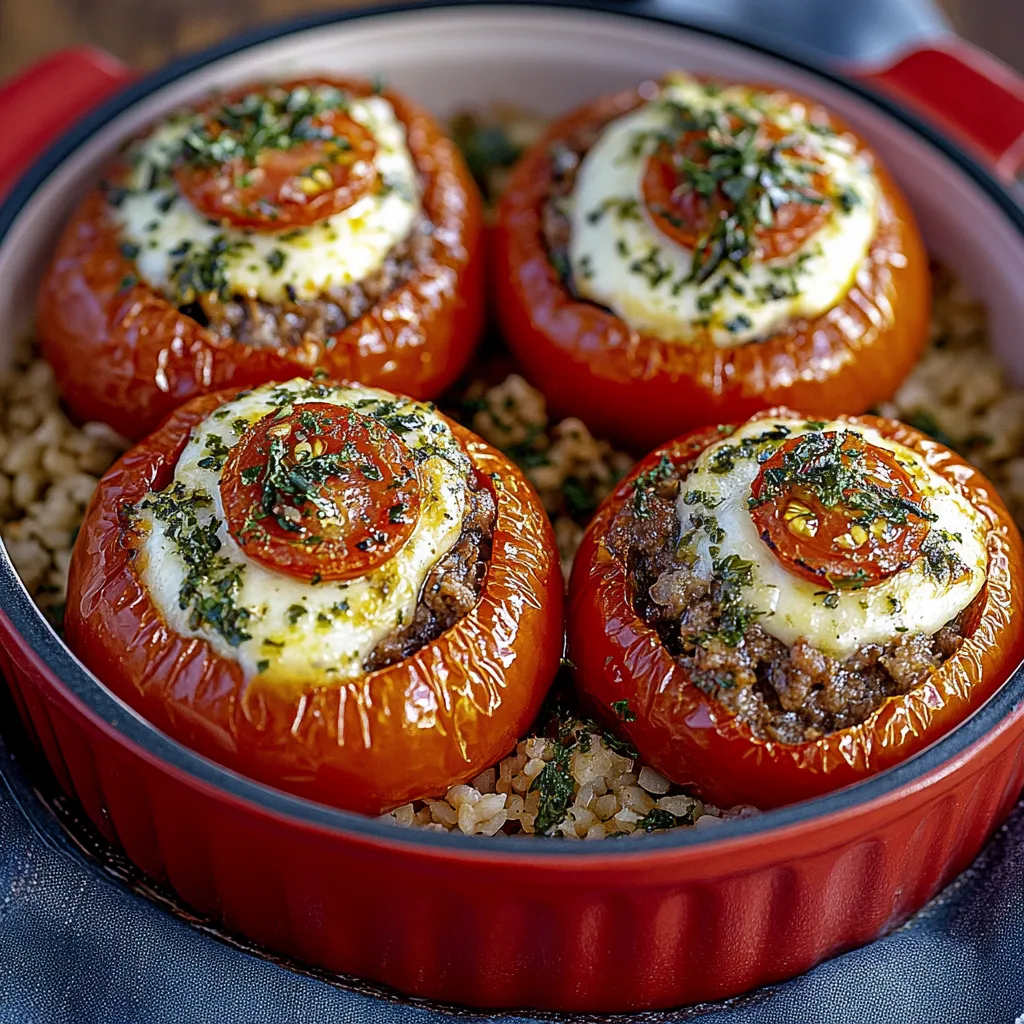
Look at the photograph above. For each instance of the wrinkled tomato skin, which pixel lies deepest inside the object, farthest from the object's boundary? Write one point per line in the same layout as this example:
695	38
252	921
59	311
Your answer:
695	741
128	357
406	731
641	390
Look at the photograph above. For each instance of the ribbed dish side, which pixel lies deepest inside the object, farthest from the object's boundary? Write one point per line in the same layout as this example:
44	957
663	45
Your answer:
704	925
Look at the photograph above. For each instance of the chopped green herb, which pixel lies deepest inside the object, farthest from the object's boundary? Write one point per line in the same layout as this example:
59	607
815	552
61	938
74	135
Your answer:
556	787
824	466
218	450
740	322
941	560
623	710
272	118
647	481
651	267
212	582
755	173
202	273
658	818
486	147
921	419
847	199
579	499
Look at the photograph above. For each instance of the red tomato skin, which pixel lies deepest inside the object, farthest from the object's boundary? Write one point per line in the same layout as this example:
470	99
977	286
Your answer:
641	390
375	742
145	358
695	741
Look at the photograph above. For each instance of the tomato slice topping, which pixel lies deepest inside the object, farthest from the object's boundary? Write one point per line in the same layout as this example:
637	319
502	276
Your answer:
699	184
838	510
320	491
279	159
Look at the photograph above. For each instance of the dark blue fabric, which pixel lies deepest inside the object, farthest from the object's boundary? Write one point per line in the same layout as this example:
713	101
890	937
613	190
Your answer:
79	944
861	30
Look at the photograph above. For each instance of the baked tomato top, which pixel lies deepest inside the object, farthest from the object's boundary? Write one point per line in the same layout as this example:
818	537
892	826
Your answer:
693	250
776	610
278	158
273	230
320	490
325	586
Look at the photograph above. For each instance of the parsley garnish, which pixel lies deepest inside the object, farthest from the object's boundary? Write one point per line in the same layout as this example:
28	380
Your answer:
486	147
556	786
623	710
202	273
275	118
820	465
647	481
941	560
757	175
658	818
218	450
732	575
212	582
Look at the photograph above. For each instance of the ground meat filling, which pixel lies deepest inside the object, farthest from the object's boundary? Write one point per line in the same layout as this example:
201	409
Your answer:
786	694
565	157
453	586
260	324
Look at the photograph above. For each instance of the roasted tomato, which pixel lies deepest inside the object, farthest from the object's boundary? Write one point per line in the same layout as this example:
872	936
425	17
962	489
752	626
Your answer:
728	678
242	655
690	252
316	225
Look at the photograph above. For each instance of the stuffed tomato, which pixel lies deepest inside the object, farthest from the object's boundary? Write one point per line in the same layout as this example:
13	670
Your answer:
772	611
326	587
273	231
691	252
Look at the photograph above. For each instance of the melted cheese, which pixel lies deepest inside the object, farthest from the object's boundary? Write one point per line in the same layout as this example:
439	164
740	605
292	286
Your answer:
621	260
299	632
790	607
330	254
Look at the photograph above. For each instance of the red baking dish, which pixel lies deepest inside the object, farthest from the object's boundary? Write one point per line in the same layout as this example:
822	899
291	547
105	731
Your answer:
677	918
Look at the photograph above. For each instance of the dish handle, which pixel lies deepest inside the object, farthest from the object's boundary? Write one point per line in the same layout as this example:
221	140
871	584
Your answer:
970	95
40	103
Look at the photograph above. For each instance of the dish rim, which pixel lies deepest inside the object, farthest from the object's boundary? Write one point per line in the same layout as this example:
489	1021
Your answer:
56	661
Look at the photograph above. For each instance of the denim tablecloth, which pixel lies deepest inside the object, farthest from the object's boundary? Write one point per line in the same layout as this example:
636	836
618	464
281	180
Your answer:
79	943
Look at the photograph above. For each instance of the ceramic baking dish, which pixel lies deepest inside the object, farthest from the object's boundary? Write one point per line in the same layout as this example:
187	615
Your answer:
676	918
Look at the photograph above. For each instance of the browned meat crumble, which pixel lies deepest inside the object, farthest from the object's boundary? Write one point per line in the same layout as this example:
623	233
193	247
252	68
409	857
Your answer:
271	325
565	158
452	588
786	694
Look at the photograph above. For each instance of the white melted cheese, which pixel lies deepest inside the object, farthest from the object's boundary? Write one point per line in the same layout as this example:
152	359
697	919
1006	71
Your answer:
340	250
789	606
301	632
623	261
